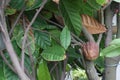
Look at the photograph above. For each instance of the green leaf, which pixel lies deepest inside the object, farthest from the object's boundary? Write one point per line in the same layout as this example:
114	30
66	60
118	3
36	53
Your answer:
10	75
16	47
112	50
43	72
101	2
70	13
43	40
33	4
117	1
65	38
27	63
51	7
89	7
19	34
17	4
39	23
5	72
29	4
53	34
54	53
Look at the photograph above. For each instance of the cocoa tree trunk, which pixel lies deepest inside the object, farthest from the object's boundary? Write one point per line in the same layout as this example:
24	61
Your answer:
110	67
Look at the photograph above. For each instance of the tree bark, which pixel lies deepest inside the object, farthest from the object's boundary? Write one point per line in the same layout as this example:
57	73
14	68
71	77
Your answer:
110	67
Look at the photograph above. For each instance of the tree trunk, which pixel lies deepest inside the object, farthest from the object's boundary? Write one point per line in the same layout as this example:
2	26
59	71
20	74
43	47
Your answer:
110	67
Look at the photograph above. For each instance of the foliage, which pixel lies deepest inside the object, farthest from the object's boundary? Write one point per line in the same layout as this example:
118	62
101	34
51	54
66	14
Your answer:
65	38
50	43
71	15
112	50
43	72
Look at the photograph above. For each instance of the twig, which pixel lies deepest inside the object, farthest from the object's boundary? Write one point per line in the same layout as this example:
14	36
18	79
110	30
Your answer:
77	38
6	61
99	39
53	67
28	27
83	59
87	34
64	69
32	63
9	46
16	21
23	50
76	42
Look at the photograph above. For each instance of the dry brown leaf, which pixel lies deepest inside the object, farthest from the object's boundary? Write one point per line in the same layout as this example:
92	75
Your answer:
92	25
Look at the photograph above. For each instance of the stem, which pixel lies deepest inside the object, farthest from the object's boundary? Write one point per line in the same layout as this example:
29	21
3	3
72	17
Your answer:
23	50
64	69
16	21
28	27
32	63
87	34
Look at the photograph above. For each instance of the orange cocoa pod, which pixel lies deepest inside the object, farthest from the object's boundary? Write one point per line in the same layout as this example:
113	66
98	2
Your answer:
90	50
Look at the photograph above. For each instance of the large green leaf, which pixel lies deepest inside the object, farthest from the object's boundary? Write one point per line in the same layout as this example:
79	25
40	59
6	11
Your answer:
54	53
43	72
65	38
112	50
70	13
43	40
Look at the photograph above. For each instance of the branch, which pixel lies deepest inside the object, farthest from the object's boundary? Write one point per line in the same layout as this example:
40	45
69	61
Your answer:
16	21
32	63
23	50
56	63
99	39
9	46
87	34
28	27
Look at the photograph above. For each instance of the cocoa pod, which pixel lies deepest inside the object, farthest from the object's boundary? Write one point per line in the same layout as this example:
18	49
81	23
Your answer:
90	50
